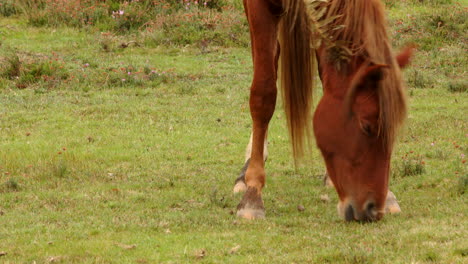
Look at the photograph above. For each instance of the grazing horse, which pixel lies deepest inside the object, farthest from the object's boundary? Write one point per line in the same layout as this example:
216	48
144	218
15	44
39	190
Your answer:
363	103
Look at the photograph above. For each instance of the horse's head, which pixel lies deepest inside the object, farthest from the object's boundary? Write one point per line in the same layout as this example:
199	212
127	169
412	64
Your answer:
350	134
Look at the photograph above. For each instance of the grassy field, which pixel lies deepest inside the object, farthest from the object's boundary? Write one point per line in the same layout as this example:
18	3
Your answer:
124	147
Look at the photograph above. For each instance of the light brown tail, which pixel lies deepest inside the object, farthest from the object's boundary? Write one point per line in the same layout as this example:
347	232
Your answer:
297	73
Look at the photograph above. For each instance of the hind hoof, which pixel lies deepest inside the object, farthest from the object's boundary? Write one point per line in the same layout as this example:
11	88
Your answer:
240	187
327	181
391	204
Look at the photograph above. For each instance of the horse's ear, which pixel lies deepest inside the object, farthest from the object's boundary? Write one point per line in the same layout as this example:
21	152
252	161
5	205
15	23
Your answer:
373	72
404	57
365	74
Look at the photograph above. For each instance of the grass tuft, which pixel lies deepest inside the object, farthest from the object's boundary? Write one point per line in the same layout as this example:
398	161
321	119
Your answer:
462	184
431	256
419	79
60	169
25	70
458	86
11	185
462	252
410	165
9	8
11	68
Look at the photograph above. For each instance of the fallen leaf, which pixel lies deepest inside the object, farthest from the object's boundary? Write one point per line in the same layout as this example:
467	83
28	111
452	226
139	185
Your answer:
324	198
53	259
200	253
234	249
127	247
300	208
163	224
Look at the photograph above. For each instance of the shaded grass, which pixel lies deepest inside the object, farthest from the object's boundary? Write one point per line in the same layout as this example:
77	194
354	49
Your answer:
161	22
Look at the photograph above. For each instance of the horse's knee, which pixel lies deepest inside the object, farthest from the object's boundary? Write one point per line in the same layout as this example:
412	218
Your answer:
264	86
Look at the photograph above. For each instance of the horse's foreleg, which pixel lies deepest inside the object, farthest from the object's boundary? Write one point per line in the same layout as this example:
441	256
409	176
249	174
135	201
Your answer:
263	31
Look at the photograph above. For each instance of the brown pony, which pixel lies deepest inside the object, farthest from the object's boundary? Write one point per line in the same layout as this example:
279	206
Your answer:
363	105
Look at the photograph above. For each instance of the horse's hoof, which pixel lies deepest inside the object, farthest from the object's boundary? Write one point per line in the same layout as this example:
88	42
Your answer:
251	214
251	205
391	204
240	187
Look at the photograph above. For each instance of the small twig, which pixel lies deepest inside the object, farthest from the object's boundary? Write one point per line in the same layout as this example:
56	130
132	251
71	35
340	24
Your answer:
125	45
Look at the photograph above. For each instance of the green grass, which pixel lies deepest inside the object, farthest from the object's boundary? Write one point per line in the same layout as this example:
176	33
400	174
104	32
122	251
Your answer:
94	169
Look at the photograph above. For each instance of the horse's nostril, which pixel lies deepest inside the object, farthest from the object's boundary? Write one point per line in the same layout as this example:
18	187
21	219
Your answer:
349	214
371	212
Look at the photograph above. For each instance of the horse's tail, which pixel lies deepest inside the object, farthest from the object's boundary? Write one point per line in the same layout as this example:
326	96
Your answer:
297	73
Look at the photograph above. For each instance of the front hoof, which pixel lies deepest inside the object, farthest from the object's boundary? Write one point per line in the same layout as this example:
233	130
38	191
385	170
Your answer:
240	185
391	204
251	206
251	214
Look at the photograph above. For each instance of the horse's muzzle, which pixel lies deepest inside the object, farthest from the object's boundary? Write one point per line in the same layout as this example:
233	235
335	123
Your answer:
368	213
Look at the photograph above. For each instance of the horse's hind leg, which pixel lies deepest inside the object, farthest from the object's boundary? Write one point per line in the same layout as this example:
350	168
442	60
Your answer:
248	150
263	30
240	185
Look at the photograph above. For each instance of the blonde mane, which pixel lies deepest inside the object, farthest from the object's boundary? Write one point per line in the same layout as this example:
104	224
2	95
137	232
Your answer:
359	27
362	27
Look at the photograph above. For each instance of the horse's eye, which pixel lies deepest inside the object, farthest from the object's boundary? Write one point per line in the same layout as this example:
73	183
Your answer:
367	129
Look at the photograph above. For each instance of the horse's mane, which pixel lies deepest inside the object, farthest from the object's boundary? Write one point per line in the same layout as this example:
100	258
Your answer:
361	26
